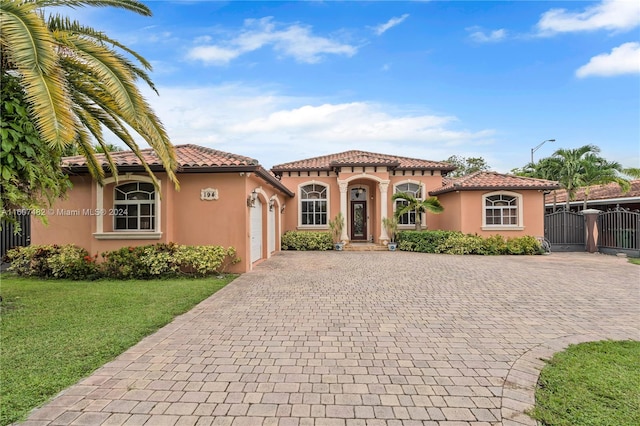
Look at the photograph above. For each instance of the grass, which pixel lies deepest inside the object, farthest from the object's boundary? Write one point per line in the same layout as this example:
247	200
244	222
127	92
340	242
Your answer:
595	383
634	260
53	333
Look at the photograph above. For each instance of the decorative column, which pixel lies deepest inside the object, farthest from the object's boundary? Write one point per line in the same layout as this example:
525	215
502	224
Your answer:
591	228
383	187
344	186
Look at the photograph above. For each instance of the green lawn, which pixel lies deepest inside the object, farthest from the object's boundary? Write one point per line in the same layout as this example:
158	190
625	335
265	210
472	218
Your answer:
53	333
595	383
634	260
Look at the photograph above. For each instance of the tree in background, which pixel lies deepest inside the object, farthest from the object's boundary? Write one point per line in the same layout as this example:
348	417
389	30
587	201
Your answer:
466	165
108	147
75	81
576	168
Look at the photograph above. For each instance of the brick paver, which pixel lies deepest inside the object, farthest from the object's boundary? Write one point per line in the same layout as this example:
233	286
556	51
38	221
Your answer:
363	338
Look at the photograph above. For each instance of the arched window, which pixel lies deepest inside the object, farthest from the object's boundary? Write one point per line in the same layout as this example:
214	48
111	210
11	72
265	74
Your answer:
313	205
502	209
410	188
134	207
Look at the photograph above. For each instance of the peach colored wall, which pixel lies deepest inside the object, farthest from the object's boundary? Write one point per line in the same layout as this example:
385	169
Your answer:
450	219
63	228
374	223
184	217
290	216
463	212
216	222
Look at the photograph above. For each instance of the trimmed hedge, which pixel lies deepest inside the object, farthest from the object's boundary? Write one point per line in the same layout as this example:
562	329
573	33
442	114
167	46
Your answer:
455	242
306	240
142	262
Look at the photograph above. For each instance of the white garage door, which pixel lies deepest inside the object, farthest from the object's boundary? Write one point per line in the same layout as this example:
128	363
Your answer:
271	230
256	231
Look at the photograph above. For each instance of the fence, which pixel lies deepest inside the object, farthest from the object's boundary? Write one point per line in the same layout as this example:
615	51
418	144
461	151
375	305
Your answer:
565	231
10	239
619	232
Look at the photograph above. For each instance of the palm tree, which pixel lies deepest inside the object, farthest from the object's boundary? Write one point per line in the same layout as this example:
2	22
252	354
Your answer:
78	81
412	203
598	171
576	168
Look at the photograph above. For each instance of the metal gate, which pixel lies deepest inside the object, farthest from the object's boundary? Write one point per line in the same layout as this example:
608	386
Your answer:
8	236
619	232
565	231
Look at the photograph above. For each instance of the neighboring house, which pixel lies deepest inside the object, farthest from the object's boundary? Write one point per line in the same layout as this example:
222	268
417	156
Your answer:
230	200
601	197
487	203
211	207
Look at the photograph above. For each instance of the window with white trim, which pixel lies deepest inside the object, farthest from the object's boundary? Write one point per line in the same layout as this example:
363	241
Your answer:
313	205
414	189
134	207
501	210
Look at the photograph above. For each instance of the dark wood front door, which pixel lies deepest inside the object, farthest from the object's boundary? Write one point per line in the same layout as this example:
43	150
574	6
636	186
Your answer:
359	220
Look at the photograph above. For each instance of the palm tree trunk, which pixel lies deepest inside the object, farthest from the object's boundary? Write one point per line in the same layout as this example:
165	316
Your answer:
418	221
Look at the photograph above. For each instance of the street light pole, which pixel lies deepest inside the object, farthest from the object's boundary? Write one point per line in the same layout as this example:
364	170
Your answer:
538	147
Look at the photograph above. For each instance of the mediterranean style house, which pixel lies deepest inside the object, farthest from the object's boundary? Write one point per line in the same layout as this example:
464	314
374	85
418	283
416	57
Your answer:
231	200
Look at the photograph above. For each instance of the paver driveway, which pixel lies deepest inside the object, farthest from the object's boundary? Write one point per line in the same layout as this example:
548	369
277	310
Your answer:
354	339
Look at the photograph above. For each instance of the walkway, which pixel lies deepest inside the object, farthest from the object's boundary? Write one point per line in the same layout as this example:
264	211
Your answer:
362	339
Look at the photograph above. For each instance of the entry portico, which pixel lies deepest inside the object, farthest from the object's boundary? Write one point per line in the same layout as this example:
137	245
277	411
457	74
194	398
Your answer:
361	184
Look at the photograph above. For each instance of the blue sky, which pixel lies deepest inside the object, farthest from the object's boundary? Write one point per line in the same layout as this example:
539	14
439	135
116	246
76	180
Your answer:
281	81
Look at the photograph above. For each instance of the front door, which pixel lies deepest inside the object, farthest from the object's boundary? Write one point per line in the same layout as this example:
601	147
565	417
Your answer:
358	220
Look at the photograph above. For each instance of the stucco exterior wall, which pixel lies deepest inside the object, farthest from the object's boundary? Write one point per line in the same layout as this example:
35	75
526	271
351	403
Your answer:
184	217
291	218
463	212
66	223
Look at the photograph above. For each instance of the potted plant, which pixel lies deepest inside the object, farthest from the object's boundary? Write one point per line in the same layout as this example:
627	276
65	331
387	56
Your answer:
337	225
391	225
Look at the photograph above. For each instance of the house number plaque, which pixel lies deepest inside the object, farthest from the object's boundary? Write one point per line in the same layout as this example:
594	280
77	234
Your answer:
208	194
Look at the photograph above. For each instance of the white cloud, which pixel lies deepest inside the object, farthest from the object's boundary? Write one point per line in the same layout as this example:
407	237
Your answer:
624	59
295	40
480	36
276	128
382	28
613	15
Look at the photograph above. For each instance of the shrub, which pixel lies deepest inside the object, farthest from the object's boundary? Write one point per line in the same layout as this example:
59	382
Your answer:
53	261
306	240
423	241
524	245
73	263
461	244
205	260
166	260
454	242
495	244
126	263
143	262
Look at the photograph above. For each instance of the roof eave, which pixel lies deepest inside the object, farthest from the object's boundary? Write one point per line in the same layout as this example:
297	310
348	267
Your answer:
490	188
265	175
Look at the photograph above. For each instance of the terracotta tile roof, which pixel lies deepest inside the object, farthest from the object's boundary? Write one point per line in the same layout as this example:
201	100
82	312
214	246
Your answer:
188	156
361	158
598	192
494	180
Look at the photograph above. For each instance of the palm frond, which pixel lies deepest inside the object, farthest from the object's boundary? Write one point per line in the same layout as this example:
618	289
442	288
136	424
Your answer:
65	25
106	67
130	5
31	48
85	148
